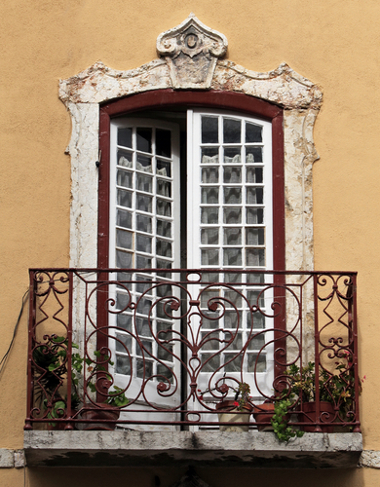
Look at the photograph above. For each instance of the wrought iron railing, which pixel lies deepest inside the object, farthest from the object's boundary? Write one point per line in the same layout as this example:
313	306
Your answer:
148	349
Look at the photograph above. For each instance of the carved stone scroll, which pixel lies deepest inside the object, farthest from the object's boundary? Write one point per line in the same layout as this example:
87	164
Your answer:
191	50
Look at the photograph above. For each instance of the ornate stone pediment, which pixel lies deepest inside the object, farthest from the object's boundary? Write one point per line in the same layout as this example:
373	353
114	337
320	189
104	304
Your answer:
191	50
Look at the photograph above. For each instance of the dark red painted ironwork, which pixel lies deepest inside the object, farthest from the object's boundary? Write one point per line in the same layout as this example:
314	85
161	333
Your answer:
226	346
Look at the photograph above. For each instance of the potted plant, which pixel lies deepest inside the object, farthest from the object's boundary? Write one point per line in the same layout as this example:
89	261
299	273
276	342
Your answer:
236	411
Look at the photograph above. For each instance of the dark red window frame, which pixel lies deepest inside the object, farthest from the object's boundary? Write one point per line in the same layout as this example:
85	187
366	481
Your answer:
208	99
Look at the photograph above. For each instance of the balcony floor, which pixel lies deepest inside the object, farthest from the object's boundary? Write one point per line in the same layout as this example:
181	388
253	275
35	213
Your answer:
204	448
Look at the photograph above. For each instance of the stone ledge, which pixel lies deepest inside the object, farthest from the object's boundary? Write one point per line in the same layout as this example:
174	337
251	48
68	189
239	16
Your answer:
138	448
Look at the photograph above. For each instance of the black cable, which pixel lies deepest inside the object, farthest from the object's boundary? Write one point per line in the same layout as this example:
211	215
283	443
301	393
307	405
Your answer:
4	359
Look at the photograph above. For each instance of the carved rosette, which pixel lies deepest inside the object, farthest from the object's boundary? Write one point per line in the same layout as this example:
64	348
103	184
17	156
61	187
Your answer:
191	50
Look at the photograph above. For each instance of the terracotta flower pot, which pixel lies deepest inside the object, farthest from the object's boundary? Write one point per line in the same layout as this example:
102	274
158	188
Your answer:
263	414
326	414
229	413
99	415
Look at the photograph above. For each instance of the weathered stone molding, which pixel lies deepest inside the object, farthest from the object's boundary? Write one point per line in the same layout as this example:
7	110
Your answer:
11	458
300	98
370	459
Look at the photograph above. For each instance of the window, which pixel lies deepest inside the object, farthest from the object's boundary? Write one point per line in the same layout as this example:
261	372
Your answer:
188	188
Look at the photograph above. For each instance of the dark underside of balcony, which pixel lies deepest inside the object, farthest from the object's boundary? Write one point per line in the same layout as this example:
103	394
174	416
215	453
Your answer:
203	448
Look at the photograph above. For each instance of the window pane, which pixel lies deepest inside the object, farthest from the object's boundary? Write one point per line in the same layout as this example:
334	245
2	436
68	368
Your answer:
210	195
144	139
254	175
210	236
209	215
144	203
164	168
232	215
255	236
143	243
124	239
144	182
164	207
255	257
232	155
253	133
232	236
123	260
164	248
254	154
209	130
143	262
144	164
255	215
210	257
143	223
164	188
124	158
124	198
210	156
164	228
210	175
231	131
232	175
255	196
124	137
163	143
232	196
232	257
124	178
124	219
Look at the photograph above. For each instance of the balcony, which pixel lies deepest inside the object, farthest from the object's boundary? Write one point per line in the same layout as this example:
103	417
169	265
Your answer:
192	363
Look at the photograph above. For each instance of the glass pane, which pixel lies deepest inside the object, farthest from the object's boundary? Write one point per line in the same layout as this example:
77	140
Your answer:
232	175
232	155
210	175
144	139
210	215
143	262
123	343
254	175
256	298
209	130
124	178
257	363
255	257
232	196
144	182
122	301
164	188
254	236
123	260
210	156
164	264
254	154
124	239
233	278
164	168
164	248
210	257
124	198
232	215
255	215
258	321
232	319
124	137
144	164
144	243
210	362
232	236
124	158
233	363
254	196
164	207
210	236
163	143
210	195
231	131
234	298
164	228
144	203
253	133
232	257
124	321
123	365
124	219
143	223
163	352
256	342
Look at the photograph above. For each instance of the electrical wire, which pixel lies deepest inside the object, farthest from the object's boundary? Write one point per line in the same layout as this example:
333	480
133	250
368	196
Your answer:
4	359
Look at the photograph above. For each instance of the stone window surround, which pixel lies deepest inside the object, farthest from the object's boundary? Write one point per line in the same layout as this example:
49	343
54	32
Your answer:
300	98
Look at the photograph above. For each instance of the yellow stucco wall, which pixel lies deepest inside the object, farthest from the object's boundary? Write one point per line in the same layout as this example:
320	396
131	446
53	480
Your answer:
334	44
